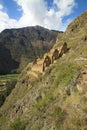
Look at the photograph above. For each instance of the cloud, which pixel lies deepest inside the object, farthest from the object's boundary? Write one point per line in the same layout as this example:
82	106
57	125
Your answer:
1	7
5	21
65	7
35	12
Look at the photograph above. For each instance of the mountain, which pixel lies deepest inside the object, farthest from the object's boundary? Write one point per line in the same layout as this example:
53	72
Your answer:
18	47
53	96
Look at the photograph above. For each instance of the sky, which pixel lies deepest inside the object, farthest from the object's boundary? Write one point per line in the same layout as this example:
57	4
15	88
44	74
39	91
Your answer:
51	14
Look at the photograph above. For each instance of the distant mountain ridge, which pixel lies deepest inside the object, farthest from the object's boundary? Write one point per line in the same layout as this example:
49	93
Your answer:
20	46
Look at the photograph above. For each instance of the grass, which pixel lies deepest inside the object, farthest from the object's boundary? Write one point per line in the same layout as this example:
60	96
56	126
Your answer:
18	124
65	74
60	77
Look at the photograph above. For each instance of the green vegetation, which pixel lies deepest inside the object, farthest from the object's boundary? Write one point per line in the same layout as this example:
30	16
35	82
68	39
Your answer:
65	73
18	125
8	77
58	116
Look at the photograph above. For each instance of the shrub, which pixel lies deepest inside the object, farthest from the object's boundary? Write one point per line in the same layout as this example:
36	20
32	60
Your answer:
18	125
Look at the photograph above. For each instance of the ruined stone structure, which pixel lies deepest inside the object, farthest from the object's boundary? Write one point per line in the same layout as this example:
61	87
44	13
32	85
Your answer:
55	55
47	62
64	49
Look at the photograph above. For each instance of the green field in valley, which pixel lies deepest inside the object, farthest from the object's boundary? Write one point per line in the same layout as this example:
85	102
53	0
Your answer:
8	77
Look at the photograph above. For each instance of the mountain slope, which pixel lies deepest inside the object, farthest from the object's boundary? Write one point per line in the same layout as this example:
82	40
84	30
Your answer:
20	46
56	99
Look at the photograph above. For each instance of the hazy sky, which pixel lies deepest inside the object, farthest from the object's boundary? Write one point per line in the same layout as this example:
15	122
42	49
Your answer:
52	14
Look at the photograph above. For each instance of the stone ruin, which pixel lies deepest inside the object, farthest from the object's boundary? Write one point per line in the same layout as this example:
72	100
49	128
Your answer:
55	55
47	62
64	49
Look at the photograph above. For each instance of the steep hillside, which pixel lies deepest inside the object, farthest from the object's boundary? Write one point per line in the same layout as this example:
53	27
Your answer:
54	98
20	46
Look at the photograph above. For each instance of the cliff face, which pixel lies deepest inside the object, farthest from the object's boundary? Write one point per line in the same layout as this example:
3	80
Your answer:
57	97
18	47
